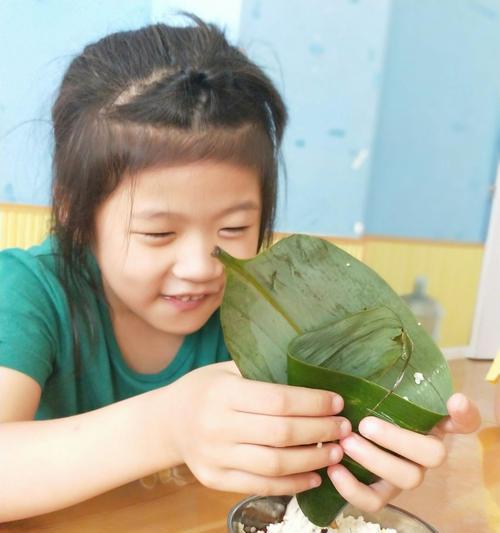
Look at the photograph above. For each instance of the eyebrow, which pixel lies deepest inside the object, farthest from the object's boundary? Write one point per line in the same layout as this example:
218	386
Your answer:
150	214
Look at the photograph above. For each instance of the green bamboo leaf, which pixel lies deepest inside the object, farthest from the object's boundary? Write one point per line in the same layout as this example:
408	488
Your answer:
307	313
364	344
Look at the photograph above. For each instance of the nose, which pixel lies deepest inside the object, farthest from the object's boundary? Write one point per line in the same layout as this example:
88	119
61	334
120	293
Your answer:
194	261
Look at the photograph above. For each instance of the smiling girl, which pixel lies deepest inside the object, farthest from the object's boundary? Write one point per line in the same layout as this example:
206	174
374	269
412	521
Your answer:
112	361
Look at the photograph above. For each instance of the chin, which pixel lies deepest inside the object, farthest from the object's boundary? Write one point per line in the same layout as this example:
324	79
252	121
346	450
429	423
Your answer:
183	327
184	330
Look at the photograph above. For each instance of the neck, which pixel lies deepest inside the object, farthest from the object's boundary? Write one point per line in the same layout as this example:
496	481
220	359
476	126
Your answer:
145	349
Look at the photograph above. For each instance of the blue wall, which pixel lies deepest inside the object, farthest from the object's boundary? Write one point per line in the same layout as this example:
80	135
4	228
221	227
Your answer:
394	112
225	13
436	146
394	104
38	39
326	57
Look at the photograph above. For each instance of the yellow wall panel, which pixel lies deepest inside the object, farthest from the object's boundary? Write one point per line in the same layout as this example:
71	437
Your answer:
452	270
23	226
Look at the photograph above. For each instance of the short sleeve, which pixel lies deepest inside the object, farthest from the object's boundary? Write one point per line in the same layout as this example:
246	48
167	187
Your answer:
28	317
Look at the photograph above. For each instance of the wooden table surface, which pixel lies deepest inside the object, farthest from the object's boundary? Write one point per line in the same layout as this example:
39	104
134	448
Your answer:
463	495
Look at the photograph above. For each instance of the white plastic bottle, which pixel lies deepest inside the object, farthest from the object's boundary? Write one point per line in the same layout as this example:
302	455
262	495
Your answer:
427	311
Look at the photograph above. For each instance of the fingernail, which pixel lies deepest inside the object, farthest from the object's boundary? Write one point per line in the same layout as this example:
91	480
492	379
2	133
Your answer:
368	427
348	443
345	428
315	482
338	403
335	454
334	473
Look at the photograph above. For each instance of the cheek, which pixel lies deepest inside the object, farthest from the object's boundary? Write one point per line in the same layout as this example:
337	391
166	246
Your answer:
242	248
238	250
133	271
144	266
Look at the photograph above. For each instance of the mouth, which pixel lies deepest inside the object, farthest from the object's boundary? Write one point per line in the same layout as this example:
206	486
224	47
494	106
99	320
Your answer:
189	301
185	297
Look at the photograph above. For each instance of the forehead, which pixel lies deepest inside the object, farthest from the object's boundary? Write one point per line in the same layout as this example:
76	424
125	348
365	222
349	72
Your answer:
207	186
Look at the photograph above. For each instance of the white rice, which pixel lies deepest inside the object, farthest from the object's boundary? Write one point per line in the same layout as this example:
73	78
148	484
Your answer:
295	521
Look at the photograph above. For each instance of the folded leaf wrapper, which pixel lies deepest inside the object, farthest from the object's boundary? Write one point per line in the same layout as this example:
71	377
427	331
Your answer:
307	313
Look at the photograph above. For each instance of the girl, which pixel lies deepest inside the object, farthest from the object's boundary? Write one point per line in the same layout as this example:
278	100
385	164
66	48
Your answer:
112	362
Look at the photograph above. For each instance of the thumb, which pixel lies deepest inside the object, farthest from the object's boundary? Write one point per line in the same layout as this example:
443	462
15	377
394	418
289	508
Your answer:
464	416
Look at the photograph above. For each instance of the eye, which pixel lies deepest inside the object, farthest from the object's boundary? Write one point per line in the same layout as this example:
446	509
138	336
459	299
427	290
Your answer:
161	235
235	230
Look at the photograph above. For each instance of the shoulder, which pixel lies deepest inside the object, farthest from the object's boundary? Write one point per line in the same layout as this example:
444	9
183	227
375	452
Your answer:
30	308
30	273
37	260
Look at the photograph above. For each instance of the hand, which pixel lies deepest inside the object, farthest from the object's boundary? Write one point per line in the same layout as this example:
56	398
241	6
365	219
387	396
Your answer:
241	435
417	453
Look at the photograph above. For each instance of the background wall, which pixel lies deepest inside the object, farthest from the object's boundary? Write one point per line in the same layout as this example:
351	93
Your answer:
38	39
394	121
394	112
394	104
327	59
436	146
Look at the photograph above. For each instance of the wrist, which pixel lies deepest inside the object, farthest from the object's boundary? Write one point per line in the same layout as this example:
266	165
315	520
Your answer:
160	426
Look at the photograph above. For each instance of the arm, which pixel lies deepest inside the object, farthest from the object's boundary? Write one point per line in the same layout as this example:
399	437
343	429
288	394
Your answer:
47	465
234	434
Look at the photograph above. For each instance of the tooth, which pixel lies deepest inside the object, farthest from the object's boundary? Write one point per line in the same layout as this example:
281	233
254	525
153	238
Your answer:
189	298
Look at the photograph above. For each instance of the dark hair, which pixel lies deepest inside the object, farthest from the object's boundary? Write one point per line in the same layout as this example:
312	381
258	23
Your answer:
159	95
155	96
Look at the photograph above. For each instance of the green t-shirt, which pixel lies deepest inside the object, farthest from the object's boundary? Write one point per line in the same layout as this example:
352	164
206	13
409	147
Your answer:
36	338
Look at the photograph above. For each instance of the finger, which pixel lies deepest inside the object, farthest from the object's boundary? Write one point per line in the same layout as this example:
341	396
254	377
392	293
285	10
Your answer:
286	400
248	483
425	450
370	498
385	490
396	470
273	462
465	417
288	431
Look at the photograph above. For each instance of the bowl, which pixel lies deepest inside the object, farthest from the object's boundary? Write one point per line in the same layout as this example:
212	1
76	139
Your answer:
256	512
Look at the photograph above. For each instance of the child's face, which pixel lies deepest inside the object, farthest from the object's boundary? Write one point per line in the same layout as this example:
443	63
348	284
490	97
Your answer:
154	241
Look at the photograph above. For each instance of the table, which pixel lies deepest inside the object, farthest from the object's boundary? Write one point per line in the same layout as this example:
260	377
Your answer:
463	495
